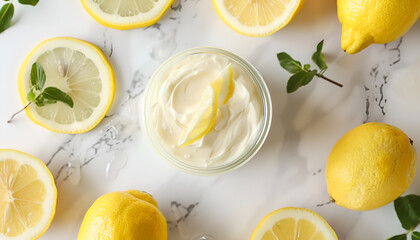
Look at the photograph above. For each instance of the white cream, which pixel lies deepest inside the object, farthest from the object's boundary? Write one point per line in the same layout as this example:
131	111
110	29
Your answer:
177	98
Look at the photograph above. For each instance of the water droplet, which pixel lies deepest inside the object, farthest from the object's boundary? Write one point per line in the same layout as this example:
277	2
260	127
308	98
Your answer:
202	236
73	170
116	164
164	48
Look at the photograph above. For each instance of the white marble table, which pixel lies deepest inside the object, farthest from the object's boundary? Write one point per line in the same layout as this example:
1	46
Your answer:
288	170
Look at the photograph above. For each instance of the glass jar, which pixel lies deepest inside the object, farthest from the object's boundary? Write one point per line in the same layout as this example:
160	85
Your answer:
152	93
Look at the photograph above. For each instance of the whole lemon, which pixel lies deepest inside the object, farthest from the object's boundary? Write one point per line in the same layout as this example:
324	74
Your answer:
374	21
129	215
370	166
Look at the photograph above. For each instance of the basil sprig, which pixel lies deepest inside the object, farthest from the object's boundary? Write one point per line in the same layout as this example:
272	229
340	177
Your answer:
40	96
408	212
7	11
304	75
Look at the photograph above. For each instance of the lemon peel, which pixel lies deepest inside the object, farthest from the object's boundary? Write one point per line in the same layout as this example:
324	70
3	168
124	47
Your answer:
370	21
129	215
370	166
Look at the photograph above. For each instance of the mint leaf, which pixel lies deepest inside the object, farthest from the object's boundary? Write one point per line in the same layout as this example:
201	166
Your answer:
408	211
29	2
6	15
31	96
415	236
319	58
55	94
288	63
38	76
302	76
399	237
300	79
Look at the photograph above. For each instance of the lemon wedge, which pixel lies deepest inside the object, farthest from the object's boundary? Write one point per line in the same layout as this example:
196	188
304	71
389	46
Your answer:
27	196
293	224
82	71
224	85
203	121
217	95
257	18
126	14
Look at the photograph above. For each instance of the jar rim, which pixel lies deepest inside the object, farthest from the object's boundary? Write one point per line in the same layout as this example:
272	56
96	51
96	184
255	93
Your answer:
237	161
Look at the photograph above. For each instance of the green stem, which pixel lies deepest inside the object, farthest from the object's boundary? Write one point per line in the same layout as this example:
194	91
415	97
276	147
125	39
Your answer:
329	80
27	105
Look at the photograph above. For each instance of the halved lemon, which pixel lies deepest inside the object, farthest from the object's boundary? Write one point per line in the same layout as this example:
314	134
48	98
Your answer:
82	71
27	196
293	224
204	119
126	14
257	18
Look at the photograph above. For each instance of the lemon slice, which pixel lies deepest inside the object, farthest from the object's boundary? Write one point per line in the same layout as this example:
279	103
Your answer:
81	70
126	14
293	224
224	85
203	121
27	196
257	18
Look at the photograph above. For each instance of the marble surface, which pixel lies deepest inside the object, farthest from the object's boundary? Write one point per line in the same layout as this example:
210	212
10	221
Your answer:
288	170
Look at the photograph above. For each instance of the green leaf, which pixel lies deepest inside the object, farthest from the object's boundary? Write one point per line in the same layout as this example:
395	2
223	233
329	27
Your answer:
55	94
38	76
6	15
399	237
288	63
31	96
319	58
415	236
29	2
307	67
300	79
39	101
408	211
